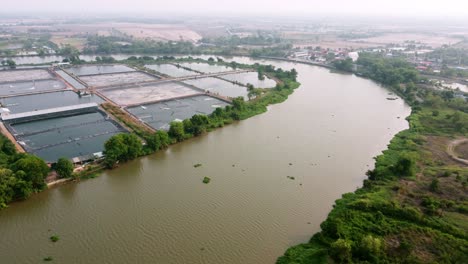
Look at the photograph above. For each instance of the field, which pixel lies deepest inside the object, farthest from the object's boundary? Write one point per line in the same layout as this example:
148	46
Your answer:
162	32
333	41
434	41
76	42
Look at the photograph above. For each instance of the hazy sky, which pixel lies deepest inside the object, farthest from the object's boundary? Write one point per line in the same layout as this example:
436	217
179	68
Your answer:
352	7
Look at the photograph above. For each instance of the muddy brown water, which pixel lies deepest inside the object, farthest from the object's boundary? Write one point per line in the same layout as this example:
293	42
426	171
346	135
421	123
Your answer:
157	210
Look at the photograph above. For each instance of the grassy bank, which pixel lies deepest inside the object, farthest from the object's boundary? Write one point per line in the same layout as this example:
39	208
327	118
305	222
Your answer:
413	207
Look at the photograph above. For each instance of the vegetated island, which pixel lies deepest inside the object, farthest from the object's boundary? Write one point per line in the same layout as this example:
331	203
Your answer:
23	174
413	207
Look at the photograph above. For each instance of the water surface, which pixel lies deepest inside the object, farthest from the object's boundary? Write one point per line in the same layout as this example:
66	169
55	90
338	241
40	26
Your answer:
157	210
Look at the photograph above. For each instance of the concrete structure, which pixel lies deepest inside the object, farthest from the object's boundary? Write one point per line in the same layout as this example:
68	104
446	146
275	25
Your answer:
49	113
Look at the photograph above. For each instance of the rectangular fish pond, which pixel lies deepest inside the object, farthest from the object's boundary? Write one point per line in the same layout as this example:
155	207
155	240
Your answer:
25	87
34	102
117	78
24	75
159	115
171	70
250	77
144	93
206	68
66	136
98	69
219	87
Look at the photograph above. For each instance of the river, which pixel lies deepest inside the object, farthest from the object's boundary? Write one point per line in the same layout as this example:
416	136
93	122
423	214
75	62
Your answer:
157	210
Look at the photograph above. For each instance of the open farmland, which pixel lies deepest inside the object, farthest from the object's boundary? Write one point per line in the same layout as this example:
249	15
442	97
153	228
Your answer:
164	32
76	42
435	41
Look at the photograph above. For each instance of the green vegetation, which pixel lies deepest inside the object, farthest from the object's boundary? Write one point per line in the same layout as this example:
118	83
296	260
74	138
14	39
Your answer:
49	258
54	238
413	206
259	39
20	174
113	45
64	168
344	65
9	63
206	180
117	148
121	147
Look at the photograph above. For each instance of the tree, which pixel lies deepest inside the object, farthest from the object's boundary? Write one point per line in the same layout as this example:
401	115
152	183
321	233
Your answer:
341	250
176	130
134	146
158	140
238	104
64	168
199	124
11	63
31	169
113	150
344	65
434	187
121	147
406	165
370	247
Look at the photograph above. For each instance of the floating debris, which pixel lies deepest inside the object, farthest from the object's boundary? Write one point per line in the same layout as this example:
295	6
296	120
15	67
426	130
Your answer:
392	98
54	238
290	163
47	259
197	165
206	180
290	177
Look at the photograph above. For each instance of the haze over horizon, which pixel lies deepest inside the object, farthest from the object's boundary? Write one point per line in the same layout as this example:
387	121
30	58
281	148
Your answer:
429	8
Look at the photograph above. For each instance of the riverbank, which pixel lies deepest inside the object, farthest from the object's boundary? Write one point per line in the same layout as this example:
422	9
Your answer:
413	207
242	207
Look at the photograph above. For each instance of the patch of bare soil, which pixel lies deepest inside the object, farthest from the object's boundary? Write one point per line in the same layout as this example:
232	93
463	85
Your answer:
462	150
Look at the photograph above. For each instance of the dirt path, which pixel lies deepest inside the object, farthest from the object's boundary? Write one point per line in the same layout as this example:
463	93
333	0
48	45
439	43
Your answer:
451	150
